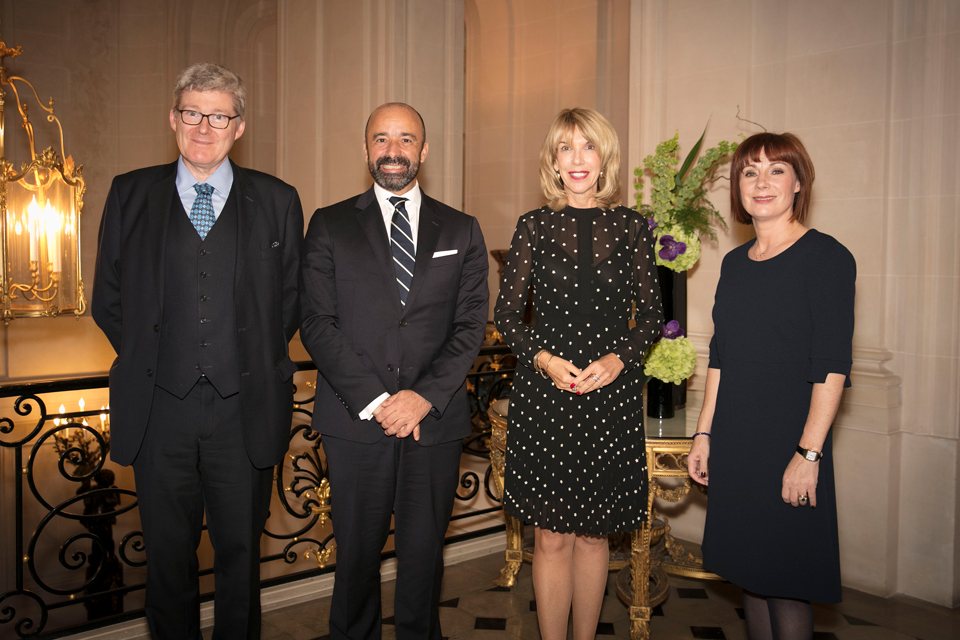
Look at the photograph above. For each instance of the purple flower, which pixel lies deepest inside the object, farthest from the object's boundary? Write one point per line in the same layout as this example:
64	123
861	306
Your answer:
652	224
671	330
671	248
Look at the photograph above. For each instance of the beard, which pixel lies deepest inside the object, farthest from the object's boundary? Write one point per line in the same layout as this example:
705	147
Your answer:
394	182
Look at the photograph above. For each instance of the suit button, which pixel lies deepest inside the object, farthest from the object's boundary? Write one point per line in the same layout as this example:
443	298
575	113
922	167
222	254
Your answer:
203	298
203	274
204	344
403	323
149	373
389	367
203	252
156	328
204	321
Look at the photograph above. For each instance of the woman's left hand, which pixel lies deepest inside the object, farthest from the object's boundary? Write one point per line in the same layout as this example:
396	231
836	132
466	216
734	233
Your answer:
800	479
598	373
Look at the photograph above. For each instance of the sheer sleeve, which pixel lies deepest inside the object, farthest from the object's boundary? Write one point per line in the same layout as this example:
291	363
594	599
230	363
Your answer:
830	292
646	295
508	313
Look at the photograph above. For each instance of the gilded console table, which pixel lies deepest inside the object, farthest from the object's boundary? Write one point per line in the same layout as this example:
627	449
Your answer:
667	447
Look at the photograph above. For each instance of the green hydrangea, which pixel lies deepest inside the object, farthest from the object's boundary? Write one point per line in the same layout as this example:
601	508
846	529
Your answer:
684	260
678	196
670	360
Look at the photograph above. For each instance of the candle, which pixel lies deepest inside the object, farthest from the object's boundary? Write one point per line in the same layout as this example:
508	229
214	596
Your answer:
34	226
51	222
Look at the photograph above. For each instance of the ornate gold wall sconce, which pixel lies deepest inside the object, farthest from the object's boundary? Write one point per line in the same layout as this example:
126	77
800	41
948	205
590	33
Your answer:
41	205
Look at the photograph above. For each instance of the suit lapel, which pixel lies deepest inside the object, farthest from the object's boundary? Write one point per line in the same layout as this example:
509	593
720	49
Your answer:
162	201
247	207
370	218
428	235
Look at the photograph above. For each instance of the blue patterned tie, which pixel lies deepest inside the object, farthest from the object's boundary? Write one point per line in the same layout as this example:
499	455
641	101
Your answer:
201	213
401	243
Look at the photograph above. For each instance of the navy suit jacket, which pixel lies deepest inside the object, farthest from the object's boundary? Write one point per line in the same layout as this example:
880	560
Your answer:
365	343
128	298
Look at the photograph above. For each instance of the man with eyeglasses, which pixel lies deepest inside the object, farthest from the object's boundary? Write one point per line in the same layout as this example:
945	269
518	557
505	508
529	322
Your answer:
196	289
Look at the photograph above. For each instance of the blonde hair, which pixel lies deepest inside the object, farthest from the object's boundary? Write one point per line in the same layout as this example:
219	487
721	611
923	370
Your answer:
598	130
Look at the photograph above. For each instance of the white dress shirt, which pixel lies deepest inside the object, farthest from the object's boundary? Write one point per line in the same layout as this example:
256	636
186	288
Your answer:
412	207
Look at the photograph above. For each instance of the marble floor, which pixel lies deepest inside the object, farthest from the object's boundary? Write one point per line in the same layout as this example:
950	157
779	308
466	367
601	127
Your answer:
473	608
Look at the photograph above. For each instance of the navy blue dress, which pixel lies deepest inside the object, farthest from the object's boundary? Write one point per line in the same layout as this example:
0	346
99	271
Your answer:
780	325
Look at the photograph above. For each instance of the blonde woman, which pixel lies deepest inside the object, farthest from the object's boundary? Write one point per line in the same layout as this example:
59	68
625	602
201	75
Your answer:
576	466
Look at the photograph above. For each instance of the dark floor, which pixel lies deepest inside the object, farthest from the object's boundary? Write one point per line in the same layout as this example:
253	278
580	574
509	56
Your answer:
471	607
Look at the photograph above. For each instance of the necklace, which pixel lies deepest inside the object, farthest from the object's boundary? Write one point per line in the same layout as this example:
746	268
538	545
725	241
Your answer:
760	254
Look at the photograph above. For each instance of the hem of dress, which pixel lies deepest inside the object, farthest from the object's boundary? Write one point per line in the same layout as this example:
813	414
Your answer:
782	592
622	528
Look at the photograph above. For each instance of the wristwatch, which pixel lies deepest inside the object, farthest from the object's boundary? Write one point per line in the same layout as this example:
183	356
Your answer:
809	454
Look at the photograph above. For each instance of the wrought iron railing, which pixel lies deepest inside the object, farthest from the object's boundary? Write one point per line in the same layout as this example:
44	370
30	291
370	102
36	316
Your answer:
68	502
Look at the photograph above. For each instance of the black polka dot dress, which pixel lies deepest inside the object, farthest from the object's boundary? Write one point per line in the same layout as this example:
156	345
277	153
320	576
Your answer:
577	463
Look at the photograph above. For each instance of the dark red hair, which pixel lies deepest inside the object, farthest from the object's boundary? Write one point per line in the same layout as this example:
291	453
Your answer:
778	147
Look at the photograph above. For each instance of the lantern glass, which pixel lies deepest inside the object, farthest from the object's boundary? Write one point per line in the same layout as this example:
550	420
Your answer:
42	260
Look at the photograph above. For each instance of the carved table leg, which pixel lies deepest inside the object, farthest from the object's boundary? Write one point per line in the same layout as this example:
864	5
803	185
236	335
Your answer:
640	581
514	552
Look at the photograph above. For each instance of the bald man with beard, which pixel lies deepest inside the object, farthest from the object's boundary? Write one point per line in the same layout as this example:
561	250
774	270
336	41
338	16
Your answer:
394	305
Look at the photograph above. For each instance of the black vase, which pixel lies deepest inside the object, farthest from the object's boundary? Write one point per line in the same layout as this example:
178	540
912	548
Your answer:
660	399
663	398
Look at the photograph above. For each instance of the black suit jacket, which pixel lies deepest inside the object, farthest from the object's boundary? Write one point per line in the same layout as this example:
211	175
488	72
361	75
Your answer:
128	302
364	342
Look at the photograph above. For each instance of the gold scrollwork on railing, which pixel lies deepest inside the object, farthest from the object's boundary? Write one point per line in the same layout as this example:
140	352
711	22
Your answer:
322	494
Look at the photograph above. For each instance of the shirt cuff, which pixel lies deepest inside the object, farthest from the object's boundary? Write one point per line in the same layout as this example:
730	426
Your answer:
367	412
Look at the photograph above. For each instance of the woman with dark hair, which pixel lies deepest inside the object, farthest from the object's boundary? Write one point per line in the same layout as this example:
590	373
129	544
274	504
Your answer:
783	331
575	462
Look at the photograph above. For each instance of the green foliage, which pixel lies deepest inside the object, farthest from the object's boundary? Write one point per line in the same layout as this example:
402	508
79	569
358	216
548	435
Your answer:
671	360
678	198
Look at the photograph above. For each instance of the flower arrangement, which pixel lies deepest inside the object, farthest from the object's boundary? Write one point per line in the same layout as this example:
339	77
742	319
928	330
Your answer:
679	211
672	358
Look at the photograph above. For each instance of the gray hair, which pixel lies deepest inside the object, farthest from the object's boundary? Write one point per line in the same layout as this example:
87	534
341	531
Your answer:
206	76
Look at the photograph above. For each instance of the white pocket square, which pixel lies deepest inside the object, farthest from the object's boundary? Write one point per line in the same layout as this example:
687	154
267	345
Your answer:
440	254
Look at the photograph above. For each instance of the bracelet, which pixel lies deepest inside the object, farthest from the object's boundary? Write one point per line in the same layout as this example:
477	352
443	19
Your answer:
543	369
701	433
536	360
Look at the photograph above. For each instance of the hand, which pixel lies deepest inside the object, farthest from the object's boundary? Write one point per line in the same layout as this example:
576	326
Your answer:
697	460
561	371
401	413
800	479
606	370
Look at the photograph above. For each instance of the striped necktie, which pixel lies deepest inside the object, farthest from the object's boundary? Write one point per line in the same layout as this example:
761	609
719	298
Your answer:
401	243
201	213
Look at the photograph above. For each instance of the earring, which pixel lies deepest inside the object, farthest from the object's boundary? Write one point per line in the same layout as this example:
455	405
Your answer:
601	173
558	175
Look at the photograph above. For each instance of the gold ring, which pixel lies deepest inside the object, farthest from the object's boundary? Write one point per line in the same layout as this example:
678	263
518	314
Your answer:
596	377
802	498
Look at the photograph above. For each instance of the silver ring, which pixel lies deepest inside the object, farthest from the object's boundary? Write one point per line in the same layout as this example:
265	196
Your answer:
596	377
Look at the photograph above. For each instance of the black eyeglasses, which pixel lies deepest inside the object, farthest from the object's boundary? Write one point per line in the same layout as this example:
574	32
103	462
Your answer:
216	120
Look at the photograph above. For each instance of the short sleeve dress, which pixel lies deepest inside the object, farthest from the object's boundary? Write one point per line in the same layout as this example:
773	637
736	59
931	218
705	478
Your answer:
781	325
577	463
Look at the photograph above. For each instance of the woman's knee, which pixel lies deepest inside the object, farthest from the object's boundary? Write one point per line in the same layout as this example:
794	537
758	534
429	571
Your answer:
553	542
588	542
